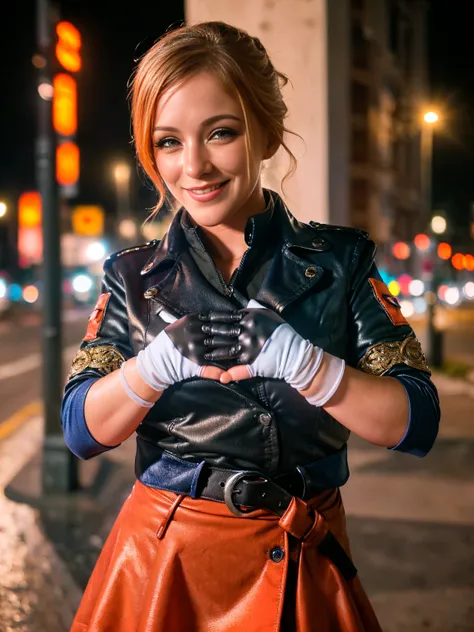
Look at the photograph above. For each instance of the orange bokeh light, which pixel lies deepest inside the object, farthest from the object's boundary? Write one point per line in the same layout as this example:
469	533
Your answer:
65	104
29	209
444	251
68	46
422	242
458	261
401	250
469	263
67	163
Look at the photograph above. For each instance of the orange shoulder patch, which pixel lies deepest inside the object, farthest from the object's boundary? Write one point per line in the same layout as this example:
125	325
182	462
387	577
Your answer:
389	302
95	319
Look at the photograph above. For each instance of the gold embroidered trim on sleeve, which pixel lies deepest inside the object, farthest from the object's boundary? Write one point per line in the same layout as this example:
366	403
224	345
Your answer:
105	358
381	357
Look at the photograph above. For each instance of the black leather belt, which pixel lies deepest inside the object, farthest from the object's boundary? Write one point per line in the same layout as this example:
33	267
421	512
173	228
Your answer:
250	489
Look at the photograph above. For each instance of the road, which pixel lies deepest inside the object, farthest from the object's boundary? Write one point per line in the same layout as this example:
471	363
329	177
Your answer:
20	357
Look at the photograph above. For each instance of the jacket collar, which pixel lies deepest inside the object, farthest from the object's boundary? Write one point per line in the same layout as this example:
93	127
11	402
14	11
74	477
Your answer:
291	273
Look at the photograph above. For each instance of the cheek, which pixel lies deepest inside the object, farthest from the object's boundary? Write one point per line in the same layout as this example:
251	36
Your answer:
167	166
233	160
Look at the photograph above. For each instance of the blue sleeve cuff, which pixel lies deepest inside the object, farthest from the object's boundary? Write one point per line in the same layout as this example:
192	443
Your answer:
423	417
76	433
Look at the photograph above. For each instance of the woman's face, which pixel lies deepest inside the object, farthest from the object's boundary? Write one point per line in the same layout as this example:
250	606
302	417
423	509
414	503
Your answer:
201	155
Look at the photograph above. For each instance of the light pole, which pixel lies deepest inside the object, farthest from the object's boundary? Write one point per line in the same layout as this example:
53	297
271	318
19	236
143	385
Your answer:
434	336
60	473
430	118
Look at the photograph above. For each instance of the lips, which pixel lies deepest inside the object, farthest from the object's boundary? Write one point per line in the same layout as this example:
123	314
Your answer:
207	189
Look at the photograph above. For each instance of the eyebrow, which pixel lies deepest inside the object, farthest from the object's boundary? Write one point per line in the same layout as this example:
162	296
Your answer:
209	121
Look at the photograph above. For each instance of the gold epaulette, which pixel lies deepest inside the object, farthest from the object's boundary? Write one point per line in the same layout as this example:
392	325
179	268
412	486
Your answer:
104	358
381	357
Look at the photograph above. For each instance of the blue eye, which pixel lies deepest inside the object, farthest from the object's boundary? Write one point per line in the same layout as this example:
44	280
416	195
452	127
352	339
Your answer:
223	133
166	143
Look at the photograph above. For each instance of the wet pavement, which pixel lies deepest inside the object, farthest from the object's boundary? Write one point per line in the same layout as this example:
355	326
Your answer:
410	522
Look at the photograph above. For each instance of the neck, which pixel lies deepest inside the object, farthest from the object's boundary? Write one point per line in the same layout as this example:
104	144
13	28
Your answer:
226	242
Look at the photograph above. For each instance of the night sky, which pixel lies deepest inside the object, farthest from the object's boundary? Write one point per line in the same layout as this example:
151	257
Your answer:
115	34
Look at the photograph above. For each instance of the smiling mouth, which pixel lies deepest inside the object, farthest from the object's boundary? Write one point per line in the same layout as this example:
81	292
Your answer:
209	189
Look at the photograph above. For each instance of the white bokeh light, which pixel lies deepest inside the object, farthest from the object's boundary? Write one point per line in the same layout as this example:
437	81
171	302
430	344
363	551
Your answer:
82	283
95	251
416	287
468	290
407	308
452	296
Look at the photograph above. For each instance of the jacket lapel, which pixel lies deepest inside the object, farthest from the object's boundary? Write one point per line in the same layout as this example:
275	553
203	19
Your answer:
176	283
288	278
293	270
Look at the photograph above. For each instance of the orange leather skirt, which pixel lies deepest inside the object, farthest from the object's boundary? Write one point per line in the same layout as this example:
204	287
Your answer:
176	564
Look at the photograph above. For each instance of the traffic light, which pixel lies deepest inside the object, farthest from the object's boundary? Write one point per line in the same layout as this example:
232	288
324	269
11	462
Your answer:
29	209
68	59
68	46
65	104
30	235
67	164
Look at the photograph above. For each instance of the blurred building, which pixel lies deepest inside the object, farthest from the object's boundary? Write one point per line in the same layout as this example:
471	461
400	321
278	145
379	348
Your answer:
358	79
388	92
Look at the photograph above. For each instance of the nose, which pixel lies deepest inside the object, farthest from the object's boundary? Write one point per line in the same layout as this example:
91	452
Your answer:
196	160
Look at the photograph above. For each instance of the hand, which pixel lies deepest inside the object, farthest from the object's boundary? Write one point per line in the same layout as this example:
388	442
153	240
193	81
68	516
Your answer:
184	350
271	348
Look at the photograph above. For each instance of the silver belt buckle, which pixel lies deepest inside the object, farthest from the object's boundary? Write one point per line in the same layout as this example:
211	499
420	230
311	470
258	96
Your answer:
229	490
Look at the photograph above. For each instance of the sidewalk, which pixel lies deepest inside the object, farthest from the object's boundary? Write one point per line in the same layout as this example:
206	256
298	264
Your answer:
411	523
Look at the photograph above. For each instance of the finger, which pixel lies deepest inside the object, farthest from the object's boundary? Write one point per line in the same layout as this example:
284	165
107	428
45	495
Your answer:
219	341
223	317
223	353
235	373
223	329
211	372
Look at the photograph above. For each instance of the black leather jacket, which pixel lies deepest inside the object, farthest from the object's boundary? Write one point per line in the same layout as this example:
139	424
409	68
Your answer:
318	282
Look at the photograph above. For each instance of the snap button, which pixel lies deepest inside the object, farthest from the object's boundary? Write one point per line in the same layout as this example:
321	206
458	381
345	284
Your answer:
265	419
317	243
151	292
277	554
310	272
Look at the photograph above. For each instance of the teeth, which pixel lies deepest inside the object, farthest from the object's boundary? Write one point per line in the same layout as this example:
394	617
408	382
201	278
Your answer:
208	190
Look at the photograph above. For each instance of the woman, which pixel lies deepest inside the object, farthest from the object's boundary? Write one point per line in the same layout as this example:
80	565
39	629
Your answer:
242	349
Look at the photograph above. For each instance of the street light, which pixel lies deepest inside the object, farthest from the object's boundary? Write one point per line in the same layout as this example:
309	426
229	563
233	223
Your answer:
430	117
438	226
3	209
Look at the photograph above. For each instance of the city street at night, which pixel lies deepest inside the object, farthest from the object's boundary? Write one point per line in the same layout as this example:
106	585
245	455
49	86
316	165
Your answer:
236	277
